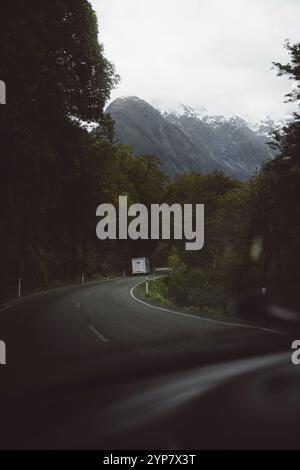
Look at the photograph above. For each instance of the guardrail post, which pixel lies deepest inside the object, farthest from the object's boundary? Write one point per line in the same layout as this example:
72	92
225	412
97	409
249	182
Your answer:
20	287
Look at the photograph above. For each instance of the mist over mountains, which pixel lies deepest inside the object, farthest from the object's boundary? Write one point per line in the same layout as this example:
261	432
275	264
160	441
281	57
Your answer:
191	140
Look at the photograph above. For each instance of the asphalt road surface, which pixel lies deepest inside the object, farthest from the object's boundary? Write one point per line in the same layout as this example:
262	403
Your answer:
95	367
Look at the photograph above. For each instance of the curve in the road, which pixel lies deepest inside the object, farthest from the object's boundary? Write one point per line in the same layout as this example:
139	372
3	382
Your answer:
220	322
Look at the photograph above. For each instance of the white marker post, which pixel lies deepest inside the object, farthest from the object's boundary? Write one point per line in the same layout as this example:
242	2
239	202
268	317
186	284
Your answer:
124	274
2	92
147	286
20	287
264	290
82	278
2	353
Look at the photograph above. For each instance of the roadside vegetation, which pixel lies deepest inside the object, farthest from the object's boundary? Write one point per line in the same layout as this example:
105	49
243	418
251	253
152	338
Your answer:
54	173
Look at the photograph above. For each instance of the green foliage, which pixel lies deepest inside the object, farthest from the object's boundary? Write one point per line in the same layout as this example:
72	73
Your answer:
52	62
252	229
158	292
191	188
292	69
277	207
195	288
53	172
211	279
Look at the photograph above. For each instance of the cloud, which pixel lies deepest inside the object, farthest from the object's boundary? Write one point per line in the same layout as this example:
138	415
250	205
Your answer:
212	53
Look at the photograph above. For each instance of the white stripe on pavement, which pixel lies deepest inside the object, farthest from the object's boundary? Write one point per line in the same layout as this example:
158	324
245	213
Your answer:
98	334
198	317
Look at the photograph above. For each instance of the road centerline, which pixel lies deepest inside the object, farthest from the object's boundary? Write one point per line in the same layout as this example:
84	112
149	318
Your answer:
98	334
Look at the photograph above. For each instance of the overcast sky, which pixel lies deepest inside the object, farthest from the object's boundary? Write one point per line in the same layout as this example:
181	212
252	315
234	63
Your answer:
215	54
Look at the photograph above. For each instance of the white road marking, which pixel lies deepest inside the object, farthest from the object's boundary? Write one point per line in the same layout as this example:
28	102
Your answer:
197	316
98	334
87	293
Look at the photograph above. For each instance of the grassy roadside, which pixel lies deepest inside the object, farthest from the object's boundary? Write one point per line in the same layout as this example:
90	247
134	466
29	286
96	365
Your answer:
158	295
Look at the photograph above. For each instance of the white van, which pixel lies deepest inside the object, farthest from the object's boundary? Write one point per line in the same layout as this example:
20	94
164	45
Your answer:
140	266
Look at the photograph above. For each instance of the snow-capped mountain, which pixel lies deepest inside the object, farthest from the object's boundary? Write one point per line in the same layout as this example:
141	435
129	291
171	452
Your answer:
191	139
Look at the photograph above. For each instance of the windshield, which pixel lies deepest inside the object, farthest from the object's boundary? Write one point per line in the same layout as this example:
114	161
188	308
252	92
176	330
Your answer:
150	225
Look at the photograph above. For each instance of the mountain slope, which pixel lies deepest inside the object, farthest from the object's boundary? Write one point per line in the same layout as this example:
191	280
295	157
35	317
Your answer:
189	142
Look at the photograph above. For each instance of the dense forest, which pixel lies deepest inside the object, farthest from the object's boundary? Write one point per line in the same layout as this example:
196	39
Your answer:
55	172
252	228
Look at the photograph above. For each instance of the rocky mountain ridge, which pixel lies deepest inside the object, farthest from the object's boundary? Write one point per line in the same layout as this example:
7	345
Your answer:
191	140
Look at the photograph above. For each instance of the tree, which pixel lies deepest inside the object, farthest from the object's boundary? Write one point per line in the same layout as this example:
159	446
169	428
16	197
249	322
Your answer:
278	195
56	77
52	62
292	69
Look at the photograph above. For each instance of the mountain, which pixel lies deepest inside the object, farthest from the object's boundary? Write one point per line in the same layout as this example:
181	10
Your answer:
190	140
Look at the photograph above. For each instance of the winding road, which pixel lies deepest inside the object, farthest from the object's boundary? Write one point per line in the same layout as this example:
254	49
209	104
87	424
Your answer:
88	364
